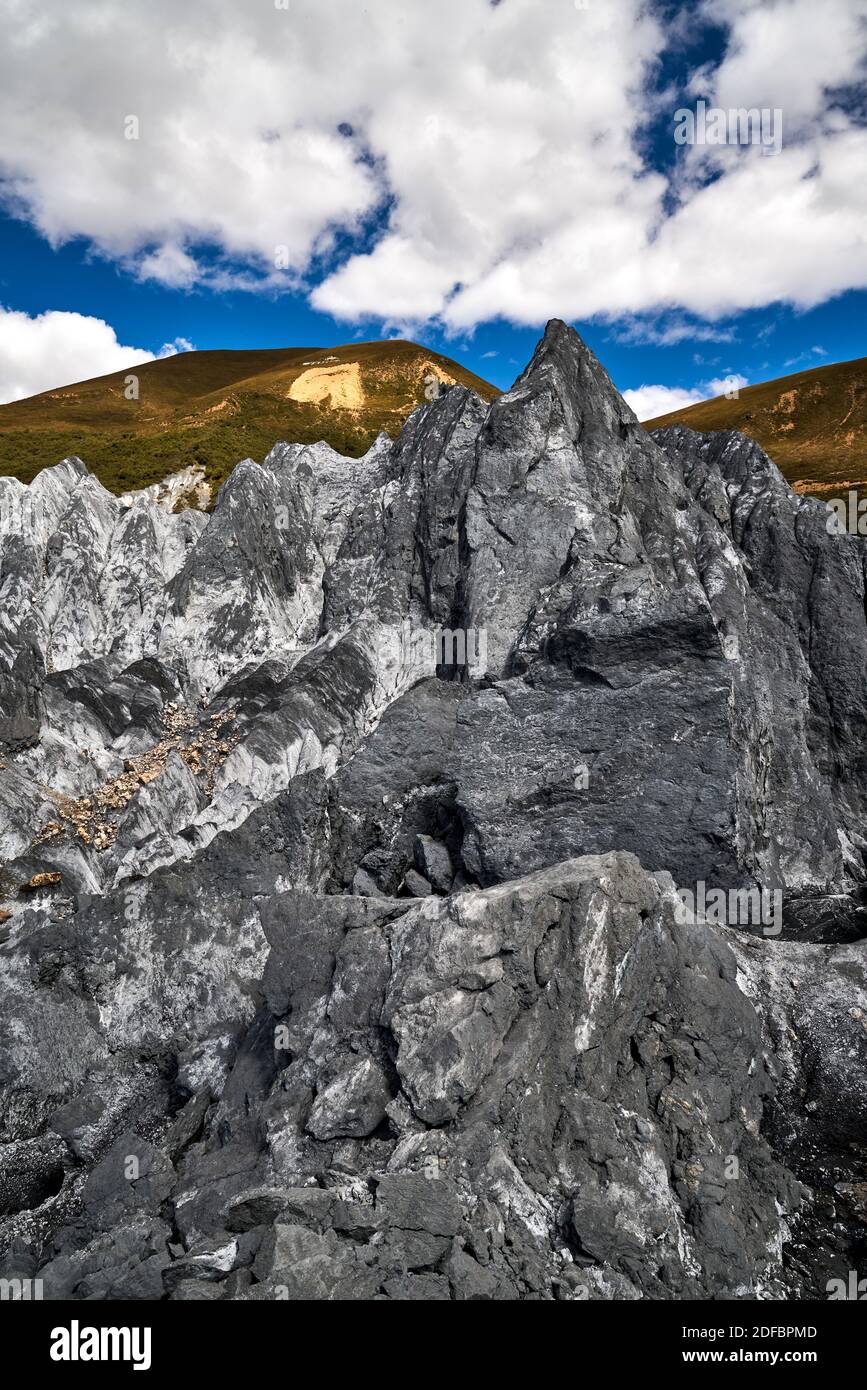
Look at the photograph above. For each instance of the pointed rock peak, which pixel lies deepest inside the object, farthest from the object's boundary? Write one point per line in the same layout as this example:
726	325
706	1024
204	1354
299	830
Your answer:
68	472
246	477
430	426
381	446
64	484
75	465
560	336
563	363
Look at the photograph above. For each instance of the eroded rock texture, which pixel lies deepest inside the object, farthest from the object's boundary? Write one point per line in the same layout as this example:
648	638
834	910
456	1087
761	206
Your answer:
338	963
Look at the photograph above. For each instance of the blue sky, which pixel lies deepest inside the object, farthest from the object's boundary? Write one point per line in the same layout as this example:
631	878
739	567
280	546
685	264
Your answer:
311	177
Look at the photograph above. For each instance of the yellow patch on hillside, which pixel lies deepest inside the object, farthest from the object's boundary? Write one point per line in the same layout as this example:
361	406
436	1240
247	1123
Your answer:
438	373
340	386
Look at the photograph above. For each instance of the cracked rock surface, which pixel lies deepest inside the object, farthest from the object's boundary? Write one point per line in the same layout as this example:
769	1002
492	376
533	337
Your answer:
339	963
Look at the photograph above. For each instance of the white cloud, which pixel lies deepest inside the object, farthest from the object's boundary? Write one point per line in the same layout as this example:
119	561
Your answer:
170	265
667	332
57	348
724	385
806	357
505	142
649	402
788	54
521	183
237	109
176	346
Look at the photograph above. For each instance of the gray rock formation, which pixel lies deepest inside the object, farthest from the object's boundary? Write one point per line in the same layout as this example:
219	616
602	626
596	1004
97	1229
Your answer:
345	838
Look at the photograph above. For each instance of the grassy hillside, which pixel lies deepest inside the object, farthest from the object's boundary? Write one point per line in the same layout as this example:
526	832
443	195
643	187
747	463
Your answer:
812	424
214	408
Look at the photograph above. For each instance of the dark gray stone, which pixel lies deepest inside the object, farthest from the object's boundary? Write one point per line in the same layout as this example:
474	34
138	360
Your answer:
435	862
416	884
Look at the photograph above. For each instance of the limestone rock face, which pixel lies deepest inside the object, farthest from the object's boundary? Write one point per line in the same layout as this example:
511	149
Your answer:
343	834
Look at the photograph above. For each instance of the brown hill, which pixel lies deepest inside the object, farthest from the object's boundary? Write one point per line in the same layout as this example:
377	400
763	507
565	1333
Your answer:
813	424
208	410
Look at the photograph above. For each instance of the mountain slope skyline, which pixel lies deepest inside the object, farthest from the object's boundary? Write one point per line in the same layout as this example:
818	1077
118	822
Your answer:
813	424
201	412
205	411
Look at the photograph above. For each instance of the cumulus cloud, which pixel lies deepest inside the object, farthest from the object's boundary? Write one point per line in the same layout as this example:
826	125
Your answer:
480	160
235	141
171	266
789	54
725	385
176	346
649	402
57	348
